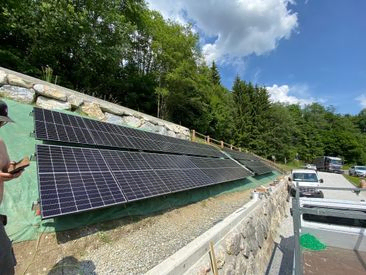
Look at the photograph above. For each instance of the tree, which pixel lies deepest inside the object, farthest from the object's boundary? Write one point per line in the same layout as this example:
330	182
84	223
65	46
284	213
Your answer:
215	75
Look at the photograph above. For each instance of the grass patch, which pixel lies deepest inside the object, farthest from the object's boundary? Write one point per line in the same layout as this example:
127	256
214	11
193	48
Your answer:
291	165
354	180
104	237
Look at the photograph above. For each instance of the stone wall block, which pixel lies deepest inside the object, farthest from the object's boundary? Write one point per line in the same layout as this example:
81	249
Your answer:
229	268
251	267
162	130
52	104
220	257
111	118
131	121
3	78
148	126
240	265
233	243
47	91
75	101
112	109
19	94
17	81
93	110
171	133
259	235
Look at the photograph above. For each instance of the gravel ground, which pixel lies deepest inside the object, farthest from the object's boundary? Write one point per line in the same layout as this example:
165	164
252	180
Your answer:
126	246
161	236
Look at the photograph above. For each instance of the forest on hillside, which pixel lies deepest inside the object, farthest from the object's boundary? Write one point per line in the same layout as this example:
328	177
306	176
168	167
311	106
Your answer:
125	53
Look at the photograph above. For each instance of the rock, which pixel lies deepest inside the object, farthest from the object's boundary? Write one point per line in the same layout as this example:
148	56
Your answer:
251	267
47	91
111	118
93	110
18	93
3	79
171	133
233	243
131	121
148	126
17	81
240	265
229	268
259	235
204	270
109	108
162	130
52	104
75	101
220	257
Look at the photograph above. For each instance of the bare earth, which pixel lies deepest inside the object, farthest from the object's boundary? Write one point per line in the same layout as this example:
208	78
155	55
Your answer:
130	245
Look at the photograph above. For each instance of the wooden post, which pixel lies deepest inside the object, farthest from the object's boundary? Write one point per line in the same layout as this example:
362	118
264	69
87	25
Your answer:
231	146
213	259
239	149
208	139
193	135
222	144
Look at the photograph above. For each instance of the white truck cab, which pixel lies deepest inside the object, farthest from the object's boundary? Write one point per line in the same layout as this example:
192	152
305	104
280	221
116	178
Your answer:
308	181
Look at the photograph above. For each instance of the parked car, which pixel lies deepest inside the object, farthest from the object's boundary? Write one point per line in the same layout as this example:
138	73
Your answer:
358	171
308	180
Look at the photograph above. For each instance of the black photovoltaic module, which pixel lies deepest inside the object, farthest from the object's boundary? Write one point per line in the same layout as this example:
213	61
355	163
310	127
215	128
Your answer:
74	179
251	161
60	127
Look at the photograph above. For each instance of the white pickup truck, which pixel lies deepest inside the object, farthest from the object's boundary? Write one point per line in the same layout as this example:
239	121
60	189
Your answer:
308	181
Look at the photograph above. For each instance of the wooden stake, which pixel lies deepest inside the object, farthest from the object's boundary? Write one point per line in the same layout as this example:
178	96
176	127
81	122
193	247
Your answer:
213	260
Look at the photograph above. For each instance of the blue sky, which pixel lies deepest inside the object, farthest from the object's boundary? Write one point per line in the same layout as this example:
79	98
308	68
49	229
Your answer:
303	51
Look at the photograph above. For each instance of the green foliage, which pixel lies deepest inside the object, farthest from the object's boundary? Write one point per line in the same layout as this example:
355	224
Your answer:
123	52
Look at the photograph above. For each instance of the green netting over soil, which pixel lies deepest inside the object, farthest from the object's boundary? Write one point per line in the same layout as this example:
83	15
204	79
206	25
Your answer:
310	242
23	224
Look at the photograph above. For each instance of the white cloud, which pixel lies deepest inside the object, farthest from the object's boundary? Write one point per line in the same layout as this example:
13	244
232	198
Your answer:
281	94
362	100
233	29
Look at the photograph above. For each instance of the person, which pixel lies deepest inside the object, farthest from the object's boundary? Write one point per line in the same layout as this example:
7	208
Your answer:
7	258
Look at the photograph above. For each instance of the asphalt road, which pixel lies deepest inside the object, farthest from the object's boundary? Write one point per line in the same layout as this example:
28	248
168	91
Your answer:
282	256
336	180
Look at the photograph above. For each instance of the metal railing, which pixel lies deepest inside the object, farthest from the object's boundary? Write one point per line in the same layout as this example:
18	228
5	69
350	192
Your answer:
297	211
198	137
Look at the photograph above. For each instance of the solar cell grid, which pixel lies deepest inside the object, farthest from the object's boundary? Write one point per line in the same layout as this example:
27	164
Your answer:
74	179
55	126
140	184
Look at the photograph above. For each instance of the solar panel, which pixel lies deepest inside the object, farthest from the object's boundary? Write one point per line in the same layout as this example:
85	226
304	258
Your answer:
256	166
75	179
56	126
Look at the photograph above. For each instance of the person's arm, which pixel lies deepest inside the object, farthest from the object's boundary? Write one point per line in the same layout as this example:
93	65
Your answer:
5	162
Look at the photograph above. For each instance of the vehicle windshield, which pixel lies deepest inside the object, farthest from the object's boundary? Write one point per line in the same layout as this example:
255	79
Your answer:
360	167
336	161
307	177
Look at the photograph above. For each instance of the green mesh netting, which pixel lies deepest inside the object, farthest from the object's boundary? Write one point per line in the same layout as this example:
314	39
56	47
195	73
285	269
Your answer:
23	224
310	242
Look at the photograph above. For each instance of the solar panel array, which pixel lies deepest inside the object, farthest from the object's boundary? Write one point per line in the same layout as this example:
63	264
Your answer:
74	179
250	161
61	127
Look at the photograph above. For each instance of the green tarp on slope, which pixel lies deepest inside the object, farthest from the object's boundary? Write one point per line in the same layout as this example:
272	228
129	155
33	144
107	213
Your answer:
23	224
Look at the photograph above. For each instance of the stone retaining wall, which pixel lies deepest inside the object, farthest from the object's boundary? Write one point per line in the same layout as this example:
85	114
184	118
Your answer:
29	90
248	247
